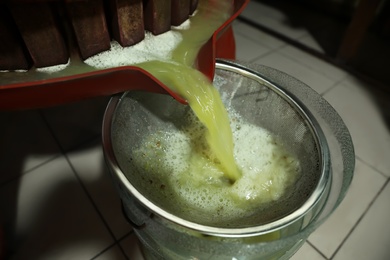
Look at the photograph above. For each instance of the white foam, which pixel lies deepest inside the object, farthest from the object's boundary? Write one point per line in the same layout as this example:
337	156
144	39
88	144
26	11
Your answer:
53	69
267	170
153	47
13	70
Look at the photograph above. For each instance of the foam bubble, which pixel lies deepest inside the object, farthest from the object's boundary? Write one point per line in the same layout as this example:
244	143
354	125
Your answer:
193	179
53	69
153	47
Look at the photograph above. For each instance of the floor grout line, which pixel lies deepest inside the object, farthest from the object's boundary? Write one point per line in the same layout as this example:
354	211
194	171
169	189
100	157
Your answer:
360	219
123	237
307	66
104	250
116	243
6	182
84	188
272	51
91	200
284	38
372	167
254	60
244	35
90	141
288	43
316	249
131	232
54	156
315	53
334	86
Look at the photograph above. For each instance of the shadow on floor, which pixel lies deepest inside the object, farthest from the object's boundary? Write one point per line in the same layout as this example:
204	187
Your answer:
327	27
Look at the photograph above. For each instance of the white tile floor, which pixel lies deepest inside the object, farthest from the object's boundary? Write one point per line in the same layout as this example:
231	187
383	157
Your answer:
57	202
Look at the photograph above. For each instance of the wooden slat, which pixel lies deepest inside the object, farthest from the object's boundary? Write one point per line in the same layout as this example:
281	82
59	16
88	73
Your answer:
12	55
89	25
41	34
180	11
193	6
127	21
157	16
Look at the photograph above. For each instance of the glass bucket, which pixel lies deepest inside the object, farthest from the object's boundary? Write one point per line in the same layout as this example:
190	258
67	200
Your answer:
272	99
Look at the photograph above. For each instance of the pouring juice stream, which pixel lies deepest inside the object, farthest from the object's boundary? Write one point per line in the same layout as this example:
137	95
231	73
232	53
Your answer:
205	166
180	76
259	170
